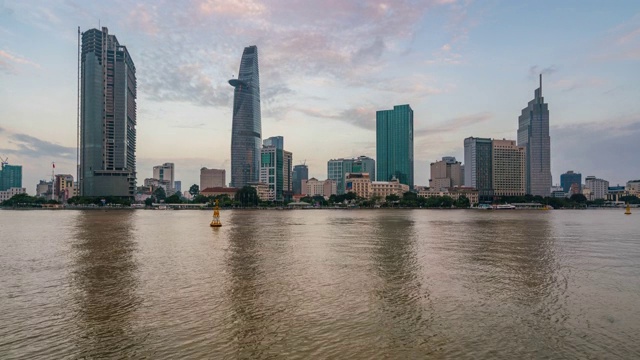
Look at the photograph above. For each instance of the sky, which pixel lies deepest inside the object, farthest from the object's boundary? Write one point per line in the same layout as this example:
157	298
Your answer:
467	68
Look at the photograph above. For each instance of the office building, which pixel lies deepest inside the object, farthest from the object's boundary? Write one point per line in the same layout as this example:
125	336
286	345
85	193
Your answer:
599	188
246	129
300	173
446	173
315	187
478	157
178	186
11	192
10	176
358	183
212	178
338	168
633	187
568	179
165	172
108	117
277	141
44	189
383	189
394	144
276	172
64	187
533	134
508	168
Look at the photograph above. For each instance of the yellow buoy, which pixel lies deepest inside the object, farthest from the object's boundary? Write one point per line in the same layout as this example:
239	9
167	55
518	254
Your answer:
216	216
628	211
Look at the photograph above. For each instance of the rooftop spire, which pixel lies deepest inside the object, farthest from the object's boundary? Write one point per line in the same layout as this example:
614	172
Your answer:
540	84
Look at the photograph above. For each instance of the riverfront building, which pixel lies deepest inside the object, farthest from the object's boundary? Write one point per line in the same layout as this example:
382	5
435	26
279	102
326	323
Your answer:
571	180
394	144
10	176
64	187
276	172
246	129
315	187
358	183
165	172
478	158
446	173
386	188
300	174
508	164
11	192
338	168
212	178
108	117
599	188
533	134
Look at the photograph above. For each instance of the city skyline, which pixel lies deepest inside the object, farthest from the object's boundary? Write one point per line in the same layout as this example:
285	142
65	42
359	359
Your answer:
448	59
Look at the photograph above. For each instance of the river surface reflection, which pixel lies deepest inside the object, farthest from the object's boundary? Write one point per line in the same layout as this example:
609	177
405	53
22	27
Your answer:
319	284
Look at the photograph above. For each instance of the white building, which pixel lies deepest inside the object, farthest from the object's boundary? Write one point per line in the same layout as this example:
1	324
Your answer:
599	188
10	192
165	172
315	187
633	187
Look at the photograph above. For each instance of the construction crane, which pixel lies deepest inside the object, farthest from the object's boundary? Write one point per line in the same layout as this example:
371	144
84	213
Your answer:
5	161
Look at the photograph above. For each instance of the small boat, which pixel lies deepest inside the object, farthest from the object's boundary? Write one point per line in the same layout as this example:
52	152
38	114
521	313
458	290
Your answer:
504	207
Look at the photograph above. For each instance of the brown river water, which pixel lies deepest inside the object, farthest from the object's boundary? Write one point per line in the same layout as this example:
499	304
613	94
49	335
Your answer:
317	284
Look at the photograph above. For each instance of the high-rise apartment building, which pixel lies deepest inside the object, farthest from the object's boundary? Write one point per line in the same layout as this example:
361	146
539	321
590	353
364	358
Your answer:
165	172
533	134
568	179
338	168
246	129
599	187
508	164
446	173
107	117
300	173
394	144
275	171
478	157
210	178
10	176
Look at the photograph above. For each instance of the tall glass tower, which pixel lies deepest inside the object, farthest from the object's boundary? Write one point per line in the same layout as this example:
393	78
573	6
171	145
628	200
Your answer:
246	129
533	134
108	117
394	144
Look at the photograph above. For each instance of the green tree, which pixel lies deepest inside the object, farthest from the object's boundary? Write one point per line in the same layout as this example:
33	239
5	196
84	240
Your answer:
149	201
160	194
247	196
173	199
200	199
579	198
194	190
463	202
392	198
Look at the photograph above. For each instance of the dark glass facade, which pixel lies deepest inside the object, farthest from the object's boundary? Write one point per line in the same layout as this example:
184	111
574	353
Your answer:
108	117
478	166
533	134
246	129
394	144
10	177
569	178
300	172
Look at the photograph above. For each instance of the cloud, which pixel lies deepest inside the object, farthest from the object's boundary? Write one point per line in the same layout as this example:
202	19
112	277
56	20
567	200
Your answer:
455	124
362	117
9	62
611	144
26	145
535	71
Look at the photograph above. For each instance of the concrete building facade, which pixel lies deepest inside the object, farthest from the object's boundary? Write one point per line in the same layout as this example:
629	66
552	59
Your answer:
338	168
446	173
166	172
107	117
212	178
599	187
358	183
508	168
386	188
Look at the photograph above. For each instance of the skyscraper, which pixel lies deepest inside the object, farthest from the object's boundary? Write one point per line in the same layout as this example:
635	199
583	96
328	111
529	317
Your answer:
10	176
568	179
394	144
507	168
478	158
165	172
533	134
337	169
275	171
107	117
277	141
300	172
246	129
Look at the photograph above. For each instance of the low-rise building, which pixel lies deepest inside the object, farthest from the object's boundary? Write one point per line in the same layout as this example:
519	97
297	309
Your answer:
215	191
386	188
358	183
10	192
633	187
315	187
44	189
599	187
454	193
264	192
